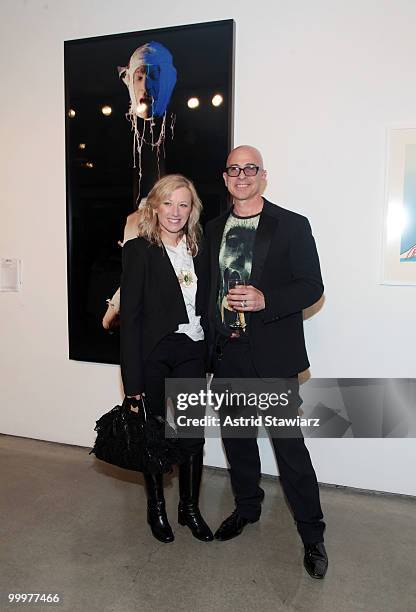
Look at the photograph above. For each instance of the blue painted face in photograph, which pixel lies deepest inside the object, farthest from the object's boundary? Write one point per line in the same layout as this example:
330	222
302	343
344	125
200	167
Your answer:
150	77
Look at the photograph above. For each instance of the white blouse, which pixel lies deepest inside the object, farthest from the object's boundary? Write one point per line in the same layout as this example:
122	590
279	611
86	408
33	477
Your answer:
183	264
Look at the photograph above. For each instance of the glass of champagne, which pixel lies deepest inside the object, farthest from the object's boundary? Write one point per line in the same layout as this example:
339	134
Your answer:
239	324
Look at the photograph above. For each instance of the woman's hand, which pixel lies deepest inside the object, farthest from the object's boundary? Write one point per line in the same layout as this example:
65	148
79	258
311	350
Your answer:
133	407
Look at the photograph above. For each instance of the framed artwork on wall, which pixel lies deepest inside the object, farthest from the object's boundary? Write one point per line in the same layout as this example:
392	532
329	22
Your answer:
137	106
399	244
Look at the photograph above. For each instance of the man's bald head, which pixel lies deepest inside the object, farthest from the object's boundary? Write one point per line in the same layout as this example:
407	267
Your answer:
245	154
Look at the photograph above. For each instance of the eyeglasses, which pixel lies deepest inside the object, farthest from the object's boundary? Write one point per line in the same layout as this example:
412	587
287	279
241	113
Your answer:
249	170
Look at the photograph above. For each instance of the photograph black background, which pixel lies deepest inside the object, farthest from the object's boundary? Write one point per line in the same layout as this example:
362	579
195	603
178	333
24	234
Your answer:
102	183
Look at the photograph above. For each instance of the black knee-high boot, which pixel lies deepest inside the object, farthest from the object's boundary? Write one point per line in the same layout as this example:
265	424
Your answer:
190	473
156	511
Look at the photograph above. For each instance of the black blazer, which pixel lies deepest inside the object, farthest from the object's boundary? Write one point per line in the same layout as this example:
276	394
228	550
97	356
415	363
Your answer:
286	269
151	306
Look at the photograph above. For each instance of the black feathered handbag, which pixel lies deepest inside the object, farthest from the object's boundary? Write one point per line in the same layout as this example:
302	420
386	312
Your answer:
136	440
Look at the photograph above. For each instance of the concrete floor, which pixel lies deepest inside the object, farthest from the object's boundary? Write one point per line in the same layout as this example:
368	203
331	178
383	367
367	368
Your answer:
73	525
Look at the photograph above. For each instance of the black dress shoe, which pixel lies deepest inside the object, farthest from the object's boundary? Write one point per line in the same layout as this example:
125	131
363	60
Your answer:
315	560
232	526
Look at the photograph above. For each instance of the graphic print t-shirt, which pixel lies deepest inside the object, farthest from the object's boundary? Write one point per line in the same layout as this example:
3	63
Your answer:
235	261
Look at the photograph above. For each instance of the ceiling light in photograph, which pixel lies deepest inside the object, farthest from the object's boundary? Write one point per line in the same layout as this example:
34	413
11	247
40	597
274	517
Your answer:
193	103
217	100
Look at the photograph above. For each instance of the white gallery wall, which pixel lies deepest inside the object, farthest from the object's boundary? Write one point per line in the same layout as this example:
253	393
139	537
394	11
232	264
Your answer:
316	85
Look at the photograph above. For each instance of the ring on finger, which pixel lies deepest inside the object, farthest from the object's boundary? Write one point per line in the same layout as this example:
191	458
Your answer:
243	304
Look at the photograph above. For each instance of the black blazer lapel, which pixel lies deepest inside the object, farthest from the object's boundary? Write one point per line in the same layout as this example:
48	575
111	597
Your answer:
265	231
202	274
199	263
217	232
216	236
169	288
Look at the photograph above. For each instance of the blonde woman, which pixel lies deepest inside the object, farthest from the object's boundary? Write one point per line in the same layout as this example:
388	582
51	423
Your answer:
161	335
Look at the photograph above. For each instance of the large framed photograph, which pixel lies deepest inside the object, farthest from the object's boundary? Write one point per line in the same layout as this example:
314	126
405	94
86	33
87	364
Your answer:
138	106
399	248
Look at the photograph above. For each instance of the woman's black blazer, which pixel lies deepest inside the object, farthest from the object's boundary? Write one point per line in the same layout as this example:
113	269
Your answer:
151	306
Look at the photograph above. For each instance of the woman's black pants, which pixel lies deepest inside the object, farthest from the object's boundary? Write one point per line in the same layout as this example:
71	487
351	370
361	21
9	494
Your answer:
176	356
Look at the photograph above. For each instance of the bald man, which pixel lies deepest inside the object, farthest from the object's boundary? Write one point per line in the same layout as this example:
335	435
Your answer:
264	271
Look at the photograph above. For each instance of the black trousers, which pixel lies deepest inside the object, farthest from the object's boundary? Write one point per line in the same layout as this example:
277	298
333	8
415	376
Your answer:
176	356
297	474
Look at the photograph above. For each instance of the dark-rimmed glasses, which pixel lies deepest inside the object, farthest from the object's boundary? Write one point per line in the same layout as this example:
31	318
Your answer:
249	170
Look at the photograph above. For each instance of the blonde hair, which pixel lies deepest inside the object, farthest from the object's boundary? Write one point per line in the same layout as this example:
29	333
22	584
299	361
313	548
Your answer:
148	223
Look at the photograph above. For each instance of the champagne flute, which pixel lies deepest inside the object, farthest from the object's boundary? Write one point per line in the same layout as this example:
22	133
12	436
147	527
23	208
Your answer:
240	323
232	283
